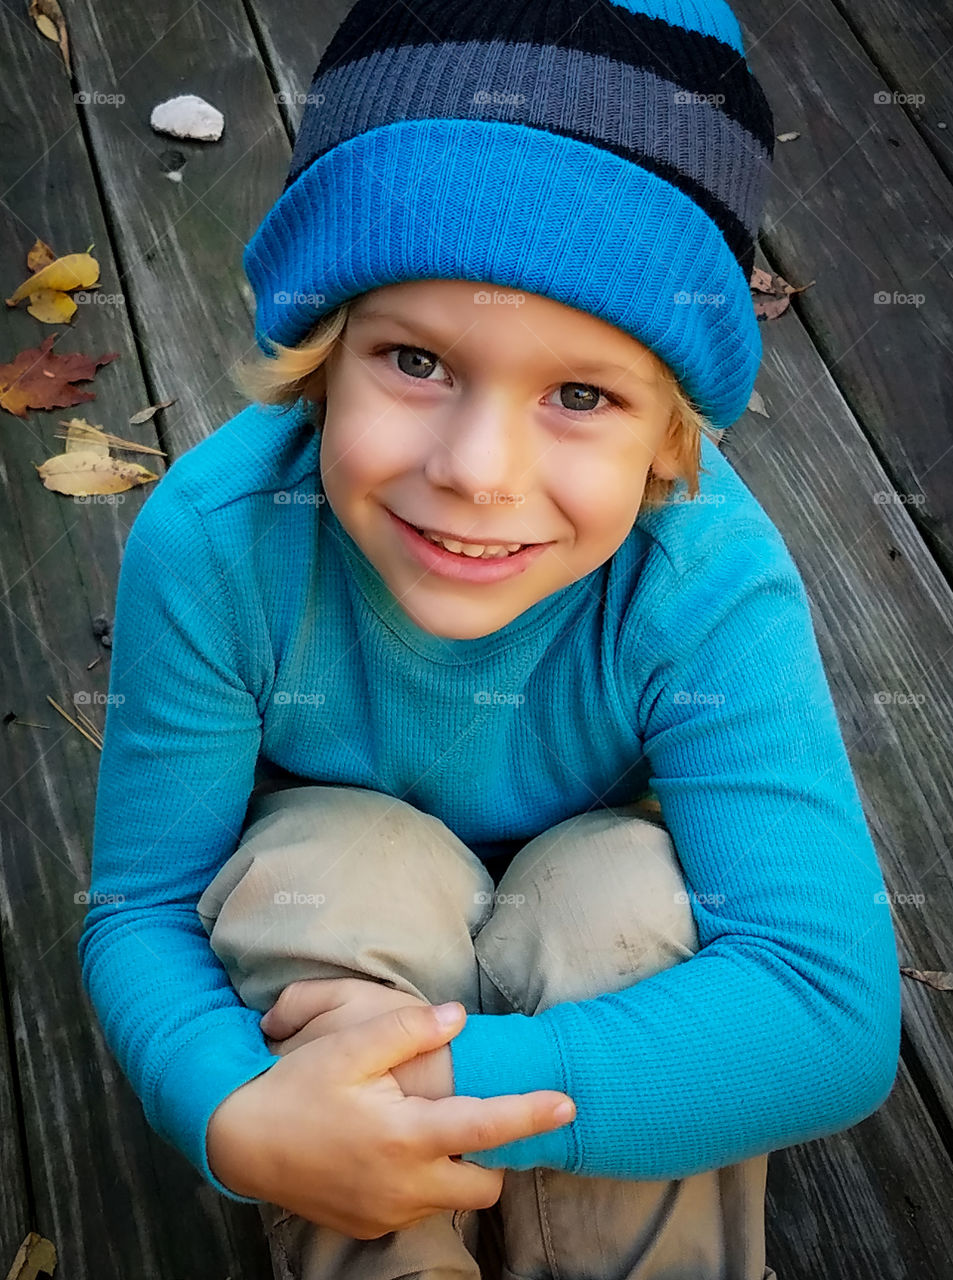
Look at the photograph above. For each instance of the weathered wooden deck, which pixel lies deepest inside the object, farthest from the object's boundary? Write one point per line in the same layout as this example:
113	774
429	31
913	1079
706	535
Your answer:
860	398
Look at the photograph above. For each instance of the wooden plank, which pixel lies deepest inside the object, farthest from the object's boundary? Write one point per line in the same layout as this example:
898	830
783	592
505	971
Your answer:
910	46
180	244
884	619
113	1197
859	204
883	614
864	1202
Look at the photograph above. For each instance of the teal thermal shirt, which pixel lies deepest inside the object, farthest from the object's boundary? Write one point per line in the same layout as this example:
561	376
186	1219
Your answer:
687	663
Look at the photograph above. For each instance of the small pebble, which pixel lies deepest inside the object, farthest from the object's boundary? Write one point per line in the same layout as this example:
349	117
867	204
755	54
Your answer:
188	116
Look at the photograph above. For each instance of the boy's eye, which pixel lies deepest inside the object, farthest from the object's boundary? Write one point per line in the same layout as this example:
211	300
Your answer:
420	364
581	396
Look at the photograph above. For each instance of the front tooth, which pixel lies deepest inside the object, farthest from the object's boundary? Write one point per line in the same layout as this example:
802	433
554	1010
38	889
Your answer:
472	550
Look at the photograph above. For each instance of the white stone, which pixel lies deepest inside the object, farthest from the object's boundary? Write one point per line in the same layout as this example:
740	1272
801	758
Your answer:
188	117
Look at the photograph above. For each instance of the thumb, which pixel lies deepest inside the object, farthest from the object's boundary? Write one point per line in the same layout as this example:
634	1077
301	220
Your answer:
373	1047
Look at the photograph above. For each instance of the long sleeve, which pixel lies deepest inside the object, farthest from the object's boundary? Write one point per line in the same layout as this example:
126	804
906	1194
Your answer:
785	1026
181	739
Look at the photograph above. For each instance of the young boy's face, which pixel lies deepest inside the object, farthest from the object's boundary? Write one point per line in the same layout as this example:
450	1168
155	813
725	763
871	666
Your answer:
463	428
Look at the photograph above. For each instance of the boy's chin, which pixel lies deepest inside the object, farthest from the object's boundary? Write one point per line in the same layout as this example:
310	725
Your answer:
460	626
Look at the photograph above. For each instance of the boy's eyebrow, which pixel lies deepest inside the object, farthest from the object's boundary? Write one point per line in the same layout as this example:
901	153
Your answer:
593	366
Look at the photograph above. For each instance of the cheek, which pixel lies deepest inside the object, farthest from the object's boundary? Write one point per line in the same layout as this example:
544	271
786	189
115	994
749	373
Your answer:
600	494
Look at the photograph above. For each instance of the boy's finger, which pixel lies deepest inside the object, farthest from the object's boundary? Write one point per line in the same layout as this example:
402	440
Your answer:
373	1047
298	1003
457	1124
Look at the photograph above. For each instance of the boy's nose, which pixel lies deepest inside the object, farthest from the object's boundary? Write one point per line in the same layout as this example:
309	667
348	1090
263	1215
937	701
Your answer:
481	452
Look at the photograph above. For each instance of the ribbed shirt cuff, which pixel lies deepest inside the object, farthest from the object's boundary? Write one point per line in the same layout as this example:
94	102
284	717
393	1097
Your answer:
194	1082
497	1054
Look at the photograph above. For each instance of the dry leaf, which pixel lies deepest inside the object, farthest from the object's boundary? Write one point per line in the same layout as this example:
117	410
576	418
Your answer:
49	19
145	414
81	474
787	137
51	306
931	977
35	1254
41	255
756	404
41	379
114	442
74	271
82	436
772	294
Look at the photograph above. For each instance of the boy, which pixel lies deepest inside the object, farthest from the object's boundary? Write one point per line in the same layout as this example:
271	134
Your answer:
532	201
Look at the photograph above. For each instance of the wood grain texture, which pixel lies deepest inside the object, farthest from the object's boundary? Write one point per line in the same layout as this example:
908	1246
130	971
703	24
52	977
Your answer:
115	1199
859	203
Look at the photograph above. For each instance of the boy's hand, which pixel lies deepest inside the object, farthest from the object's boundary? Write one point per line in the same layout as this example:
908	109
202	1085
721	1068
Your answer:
314	1007
327	1133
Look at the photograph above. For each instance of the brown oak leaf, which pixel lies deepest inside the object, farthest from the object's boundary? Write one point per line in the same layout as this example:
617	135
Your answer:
41	379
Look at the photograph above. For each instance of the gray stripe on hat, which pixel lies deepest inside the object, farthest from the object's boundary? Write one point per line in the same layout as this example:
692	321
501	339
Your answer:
544	86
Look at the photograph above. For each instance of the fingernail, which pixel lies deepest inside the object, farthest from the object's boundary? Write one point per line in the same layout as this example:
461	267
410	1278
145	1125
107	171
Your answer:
564	1112
447	1014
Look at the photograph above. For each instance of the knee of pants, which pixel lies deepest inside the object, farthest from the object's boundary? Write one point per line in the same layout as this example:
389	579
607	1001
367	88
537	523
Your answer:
590	906
334	882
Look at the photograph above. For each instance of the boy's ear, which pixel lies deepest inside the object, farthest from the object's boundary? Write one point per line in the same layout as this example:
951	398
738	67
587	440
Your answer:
668	462
317	385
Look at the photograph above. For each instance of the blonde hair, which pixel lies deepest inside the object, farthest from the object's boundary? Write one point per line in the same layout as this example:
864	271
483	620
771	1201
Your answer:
297	372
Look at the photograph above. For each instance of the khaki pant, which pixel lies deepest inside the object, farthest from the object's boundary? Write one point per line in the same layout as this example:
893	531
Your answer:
592	905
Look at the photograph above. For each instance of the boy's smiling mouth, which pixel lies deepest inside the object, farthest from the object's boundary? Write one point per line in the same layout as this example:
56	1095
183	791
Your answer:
483	562
472	547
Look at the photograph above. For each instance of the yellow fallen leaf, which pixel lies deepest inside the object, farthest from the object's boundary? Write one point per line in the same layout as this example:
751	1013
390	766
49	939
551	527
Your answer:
35	1254
83	437
73	271
51	306
49	19
81	474
41	255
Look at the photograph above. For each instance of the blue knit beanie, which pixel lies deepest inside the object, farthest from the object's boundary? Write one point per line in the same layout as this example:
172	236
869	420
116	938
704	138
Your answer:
611	156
